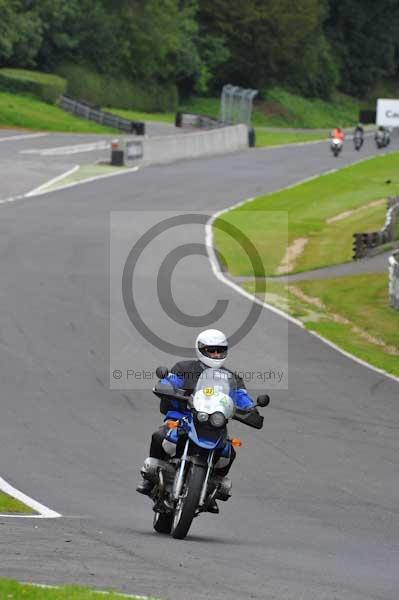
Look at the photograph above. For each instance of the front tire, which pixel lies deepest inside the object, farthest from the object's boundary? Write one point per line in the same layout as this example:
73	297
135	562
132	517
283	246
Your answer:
162	522
187	505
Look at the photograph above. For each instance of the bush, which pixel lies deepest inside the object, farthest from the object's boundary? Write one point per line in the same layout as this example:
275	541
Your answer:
89	86
42	85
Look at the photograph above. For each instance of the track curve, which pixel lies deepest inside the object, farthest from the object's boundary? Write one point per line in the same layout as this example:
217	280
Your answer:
314	510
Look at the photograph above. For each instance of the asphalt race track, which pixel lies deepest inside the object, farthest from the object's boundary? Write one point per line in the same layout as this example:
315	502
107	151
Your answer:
314	512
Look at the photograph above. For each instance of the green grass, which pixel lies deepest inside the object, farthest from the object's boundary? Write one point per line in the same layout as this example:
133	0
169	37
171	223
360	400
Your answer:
202	106
362	300
10	505
307	207
37	76
284	109
13	590
280	109
23	111
336	238
277	138
135	115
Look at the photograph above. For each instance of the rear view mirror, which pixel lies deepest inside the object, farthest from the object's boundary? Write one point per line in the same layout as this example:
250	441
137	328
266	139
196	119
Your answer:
161	372
263	400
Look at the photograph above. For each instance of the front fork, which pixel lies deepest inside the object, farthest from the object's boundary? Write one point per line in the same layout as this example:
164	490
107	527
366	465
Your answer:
177	488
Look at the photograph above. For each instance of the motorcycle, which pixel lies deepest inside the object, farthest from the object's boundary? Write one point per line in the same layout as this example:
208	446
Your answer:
358	140
336	146
187	483
382	138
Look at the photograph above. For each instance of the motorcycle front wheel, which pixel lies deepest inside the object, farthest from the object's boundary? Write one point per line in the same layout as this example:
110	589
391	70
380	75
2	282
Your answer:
188	503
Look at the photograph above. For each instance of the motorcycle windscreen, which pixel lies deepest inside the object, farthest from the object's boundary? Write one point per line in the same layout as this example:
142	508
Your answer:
213	392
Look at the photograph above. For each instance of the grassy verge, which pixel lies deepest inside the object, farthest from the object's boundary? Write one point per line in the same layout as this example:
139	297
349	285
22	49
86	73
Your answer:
13	589
309	209
29	113
279	109
352	312
135	115
278	138
284	109
10	505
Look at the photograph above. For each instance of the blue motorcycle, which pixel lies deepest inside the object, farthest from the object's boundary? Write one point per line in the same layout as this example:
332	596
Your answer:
186	484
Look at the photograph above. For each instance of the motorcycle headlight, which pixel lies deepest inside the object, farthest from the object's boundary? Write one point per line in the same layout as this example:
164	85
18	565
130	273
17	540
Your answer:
202	417
217	419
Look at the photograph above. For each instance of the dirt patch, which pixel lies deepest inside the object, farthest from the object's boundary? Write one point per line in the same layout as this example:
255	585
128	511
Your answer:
292	253
349	213
308	299
313	301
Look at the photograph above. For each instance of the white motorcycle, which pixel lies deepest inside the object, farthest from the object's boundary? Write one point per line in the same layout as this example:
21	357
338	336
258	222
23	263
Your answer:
336	146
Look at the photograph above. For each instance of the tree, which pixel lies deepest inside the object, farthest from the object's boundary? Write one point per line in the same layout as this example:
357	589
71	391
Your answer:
20	34
364	34
269	40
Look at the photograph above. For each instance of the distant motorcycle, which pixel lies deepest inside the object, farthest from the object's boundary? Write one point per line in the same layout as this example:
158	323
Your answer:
358	140
382	138
336	146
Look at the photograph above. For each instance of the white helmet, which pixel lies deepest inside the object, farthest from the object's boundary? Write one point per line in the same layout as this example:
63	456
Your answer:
207	344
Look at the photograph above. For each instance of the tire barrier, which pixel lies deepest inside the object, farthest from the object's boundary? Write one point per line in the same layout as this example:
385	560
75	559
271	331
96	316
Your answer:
85	110
365	244
393	270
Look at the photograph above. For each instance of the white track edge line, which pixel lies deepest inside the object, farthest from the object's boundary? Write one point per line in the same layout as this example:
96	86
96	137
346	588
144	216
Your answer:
38	192
219	275
88	180
26	136
353	357
44	511
51	181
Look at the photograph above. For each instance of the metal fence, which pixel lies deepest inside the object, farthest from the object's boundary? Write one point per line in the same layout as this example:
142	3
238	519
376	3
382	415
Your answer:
365	244
394	280
87	111
236	105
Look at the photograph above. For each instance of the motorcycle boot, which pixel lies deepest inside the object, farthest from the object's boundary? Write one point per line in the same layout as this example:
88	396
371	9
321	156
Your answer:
147	473
145	487
213	507
224	487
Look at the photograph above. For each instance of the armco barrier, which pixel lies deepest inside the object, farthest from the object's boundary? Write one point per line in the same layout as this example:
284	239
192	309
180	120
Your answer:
365	244
87	111
198	121
394	280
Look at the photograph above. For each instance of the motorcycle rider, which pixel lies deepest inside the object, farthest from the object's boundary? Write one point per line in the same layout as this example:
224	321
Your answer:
382	136
359	133
338	134
211	348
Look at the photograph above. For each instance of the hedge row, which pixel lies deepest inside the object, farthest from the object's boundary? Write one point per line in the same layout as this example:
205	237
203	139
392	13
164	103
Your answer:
83	84
41	85
101	90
